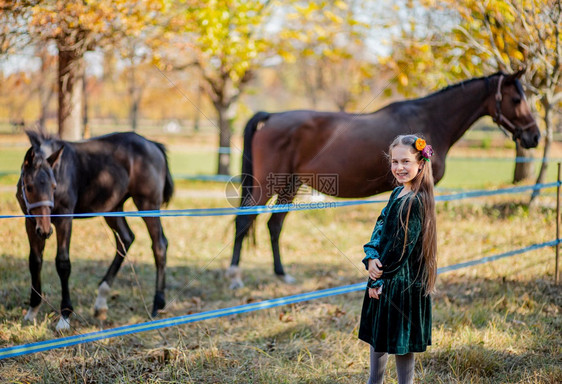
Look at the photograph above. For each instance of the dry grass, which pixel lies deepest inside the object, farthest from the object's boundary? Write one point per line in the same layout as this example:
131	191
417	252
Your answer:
498	322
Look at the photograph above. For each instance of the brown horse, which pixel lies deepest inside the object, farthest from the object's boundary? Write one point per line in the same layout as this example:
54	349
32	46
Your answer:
285	150
97	175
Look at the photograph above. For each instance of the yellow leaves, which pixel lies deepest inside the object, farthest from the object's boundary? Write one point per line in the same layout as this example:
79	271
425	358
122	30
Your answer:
425	48
517	55
287	56
500	43
505	57
402	79
333	17
99	19
341	5
225	37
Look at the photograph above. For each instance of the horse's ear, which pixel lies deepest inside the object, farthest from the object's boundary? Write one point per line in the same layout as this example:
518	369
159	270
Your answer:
29	156
34	139
54	159
516	75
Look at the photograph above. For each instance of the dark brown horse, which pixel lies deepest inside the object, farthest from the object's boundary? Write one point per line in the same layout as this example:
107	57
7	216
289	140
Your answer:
97	175
284	150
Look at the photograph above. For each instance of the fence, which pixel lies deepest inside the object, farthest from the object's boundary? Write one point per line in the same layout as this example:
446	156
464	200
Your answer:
31	348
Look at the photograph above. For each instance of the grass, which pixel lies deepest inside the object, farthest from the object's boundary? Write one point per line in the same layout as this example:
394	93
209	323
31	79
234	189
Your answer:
493	323
498	322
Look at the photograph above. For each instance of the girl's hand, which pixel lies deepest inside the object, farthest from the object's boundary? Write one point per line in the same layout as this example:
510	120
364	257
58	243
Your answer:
375	271
375	292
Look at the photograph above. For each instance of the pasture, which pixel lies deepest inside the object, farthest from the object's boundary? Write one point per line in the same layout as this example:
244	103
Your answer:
495	323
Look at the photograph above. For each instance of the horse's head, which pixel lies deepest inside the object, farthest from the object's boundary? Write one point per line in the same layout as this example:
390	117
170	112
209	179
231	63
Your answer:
511	111
37	183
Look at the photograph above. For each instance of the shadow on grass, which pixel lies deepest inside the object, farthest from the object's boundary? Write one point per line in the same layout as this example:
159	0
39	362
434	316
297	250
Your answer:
189	289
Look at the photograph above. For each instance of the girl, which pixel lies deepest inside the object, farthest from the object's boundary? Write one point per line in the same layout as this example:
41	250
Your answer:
402	262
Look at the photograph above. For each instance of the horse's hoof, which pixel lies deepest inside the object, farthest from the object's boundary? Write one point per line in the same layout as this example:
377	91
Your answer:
100	306
235	275
287	279
236	284
63	324
31	314
233	272
100	313
157	312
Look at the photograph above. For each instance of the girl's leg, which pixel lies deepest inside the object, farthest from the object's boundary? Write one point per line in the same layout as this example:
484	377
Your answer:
378	363
405	368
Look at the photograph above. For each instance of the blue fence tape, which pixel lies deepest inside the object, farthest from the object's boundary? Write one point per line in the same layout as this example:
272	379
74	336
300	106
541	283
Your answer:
216	178
506	159
27	349
255	210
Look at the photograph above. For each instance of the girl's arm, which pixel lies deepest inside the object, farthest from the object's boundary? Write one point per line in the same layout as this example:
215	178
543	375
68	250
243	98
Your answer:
393	254
371	248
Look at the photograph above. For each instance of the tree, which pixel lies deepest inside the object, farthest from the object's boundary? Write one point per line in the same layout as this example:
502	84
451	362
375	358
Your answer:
227	42
329	42
483	36
77	26
12	21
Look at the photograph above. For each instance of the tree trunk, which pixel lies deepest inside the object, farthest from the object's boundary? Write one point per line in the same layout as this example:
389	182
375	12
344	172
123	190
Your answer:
70	78
524	170
547	141
46	91
224	139
197	120
133	96
86	133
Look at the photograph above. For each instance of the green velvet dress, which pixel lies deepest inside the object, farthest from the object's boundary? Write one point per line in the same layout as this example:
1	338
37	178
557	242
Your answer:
399	322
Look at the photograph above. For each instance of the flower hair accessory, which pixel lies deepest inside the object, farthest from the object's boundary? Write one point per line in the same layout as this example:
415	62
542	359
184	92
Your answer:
427	152
425	149
420	144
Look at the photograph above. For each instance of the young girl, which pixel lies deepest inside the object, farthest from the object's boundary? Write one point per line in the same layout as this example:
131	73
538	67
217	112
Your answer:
402	263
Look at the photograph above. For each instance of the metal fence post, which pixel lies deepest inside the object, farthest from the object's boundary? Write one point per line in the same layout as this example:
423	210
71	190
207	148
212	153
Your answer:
556	273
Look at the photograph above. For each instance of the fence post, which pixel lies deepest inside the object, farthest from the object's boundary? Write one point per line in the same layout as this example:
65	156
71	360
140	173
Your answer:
556	277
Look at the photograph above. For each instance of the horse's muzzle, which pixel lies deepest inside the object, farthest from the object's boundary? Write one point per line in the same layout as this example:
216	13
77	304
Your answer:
530	141
42	234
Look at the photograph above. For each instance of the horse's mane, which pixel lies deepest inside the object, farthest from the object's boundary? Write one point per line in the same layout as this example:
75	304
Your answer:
42	144
469	81
42	135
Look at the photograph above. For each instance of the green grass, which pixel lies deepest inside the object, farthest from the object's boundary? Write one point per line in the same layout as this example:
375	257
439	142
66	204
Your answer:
498	322
494	323
485	173
11	159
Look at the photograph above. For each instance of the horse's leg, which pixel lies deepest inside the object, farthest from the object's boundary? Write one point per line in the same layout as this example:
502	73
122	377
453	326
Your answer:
124	237
62	261
159	248
243	225
36	247
275	225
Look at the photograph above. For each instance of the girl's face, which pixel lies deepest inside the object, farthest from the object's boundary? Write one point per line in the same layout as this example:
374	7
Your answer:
404	165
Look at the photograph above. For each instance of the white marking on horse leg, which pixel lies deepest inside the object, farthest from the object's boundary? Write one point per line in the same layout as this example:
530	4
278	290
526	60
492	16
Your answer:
31	314
287	279
63	324
100	307
235	275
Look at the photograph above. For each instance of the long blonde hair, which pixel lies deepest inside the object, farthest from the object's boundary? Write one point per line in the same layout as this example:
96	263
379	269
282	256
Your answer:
422	188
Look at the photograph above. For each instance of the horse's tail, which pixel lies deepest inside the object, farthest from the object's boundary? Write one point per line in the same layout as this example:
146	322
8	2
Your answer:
169	182
247	163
